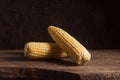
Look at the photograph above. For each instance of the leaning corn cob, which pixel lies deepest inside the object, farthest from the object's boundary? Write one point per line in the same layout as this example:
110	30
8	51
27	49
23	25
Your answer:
43	50
76	51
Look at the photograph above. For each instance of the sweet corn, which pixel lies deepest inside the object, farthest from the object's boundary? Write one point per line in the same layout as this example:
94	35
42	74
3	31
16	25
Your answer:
43	50
75	50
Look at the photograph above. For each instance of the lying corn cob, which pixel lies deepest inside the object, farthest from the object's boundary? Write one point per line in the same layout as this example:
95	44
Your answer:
76	51
43	50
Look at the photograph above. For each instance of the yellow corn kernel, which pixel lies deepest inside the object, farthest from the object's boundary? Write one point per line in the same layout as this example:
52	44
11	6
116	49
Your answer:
75	50
43	50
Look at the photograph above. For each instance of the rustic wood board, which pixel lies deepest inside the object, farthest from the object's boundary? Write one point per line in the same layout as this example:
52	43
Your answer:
104	65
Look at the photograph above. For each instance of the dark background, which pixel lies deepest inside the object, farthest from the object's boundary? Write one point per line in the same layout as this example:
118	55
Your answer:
94	23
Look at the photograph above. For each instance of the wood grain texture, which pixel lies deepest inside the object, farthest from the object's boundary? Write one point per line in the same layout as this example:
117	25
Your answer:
94	23
104	65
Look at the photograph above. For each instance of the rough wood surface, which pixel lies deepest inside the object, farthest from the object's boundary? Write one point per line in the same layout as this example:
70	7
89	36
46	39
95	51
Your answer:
104	65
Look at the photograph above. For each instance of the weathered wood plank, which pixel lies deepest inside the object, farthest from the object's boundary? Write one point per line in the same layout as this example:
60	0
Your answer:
104	65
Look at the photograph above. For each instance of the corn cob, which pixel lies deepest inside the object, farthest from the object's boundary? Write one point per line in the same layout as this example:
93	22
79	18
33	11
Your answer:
75	50
37	50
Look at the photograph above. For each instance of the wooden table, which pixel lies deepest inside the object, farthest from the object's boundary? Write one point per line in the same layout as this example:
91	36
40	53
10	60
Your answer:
104	65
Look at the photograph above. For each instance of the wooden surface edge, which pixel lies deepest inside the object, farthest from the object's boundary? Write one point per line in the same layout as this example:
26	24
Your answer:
44	74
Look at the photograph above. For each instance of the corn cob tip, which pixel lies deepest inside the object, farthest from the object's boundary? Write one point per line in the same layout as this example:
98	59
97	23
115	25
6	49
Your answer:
51	27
